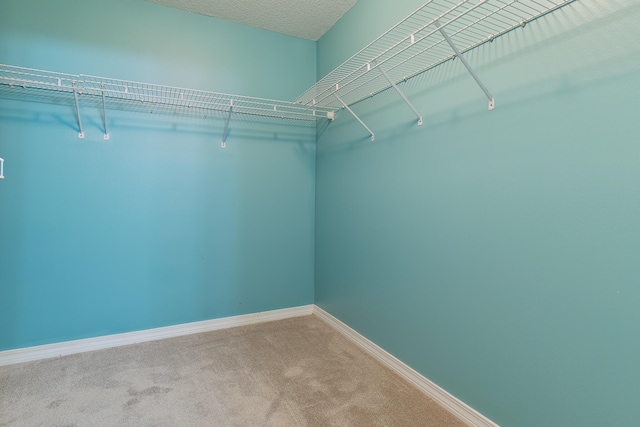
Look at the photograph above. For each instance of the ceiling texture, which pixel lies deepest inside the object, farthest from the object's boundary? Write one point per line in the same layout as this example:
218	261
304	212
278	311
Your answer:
307	19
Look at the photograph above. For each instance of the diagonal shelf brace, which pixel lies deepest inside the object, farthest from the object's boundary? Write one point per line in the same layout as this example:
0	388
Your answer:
402	95
492	103
104	116
75	95
226	126
373	137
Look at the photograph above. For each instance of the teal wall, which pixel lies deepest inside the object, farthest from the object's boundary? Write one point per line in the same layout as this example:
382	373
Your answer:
159	225
498	253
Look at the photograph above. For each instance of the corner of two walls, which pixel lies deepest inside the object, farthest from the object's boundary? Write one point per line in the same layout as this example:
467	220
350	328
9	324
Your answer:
159	225
496	252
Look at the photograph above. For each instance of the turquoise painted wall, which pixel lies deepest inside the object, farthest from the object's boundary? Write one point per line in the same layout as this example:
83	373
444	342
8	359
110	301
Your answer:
159	225
498	253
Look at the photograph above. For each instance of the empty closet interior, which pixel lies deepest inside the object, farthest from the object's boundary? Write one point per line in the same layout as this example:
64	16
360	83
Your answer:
455	180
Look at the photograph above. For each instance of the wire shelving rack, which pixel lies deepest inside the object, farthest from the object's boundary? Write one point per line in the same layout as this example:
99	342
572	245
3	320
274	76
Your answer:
105	93
437	32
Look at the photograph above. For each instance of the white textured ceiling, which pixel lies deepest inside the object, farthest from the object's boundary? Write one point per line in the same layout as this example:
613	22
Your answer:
308	19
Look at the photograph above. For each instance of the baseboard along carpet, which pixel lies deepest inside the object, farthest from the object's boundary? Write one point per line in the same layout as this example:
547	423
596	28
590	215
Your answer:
292	372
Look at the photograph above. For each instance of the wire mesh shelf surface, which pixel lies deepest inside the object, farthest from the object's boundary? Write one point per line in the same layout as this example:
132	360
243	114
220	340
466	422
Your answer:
417	44
437	32
30	83
137	96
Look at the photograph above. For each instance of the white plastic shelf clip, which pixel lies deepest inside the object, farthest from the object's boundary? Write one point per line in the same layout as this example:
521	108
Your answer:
1	168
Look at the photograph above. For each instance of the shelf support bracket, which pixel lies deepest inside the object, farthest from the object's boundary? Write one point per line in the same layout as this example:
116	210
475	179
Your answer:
492	103
402	95
104	116
75	95
226	127
1	168
373	137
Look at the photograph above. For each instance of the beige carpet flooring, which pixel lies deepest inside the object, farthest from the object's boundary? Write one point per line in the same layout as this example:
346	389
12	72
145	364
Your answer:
295	372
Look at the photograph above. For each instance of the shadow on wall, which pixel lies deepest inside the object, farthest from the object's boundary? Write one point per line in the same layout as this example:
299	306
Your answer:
242	128
146	229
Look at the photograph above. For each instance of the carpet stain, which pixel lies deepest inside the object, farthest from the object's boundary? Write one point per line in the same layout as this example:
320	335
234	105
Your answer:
296	371
137	395
273	406
149	391
55	403
131	402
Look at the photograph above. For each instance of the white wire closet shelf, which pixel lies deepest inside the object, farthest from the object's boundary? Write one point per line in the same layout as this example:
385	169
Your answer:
438	31
103	92
130	95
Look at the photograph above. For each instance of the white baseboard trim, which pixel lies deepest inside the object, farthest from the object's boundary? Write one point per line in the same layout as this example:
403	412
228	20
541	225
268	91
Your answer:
47	351
458	408
455	406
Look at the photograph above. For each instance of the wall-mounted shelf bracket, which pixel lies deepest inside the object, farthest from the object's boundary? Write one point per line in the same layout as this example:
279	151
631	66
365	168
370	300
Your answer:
458	54
104	116
75	96
226	125
416	45
1	168
373	137
402	95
